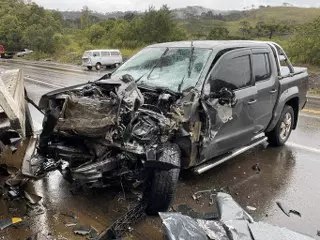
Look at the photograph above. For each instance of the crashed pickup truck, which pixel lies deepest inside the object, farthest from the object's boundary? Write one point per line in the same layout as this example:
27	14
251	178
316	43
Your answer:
178	105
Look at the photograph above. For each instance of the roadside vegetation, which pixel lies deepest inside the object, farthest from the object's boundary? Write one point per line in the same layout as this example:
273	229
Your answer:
51	37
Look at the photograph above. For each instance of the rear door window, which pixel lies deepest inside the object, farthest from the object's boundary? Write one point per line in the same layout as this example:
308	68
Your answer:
233	74
261	66
115	53
105	54
96	54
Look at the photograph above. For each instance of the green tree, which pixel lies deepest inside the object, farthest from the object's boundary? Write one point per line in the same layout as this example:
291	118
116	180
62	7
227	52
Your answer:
246	29
218	32
84	20
305	45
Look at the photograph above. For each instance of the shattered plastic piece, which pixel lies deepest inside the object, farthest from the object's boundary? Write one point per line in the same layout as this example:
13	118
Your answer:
251	208
234	224
6	223
318	233
214	229
230	209
256	168
70	224
14	193
33	198
286	210
197	195
179	226
82	230
93	235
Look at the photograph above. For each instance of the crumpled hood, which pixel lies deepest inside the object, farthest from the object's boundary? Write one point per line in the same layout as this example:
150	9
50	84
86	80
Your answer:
126	90
94	109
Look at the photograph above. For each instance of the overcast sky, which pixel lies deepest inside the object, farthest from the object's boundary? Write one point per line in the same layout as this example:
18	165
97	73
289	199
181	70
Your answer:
122	5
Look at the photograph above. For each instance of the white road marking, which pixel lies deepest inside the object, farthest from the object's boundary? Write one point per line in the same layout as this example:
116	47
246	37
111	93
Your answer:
309	115
43	83
296	145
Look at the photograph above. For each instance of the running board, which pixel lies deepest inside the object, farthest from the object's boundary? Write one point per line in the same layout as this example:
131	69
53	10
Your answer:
207	165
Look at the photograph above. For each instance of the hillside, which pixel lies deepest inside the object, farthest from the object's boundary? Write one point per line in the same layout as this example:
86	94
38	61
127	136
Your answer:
290	15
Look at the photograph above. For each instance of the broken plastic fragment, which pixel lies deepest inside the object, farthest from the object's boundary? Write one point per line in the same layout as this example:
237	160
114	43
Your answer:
286	210
82	230
251	208
6	223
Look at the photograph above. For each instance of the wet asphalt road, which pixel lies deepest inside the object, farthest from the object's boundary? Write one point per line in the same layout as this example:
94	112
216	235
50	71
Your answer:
289	174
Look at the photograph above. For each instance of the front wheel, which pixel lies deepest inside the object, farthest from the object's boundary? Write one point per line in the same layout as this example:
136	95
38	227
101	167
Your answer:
281	132
162	183
89	68
98	66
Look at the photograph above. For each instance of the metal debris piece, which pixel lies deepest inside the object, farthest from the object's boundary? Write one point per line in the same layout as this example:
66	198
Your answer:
93	235
70	224
32	198
82	230
285	209
251	208
256	168
318	233
6	223
233	223
14	193
124	223
34	210
197	195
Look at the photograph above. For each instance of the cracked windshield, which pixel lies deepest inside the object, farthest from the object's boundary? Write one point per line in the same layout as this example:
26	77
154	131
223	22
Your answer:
172	68
155	119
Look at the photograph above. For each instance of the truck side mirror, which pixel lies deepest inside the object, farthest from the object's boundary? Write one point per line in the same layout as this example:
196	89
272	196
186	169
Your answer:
224	96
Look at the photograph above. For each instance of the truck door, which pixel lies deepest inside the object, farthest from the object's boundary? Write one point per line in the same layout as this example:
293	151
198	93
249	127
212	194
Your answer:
267	87
230	126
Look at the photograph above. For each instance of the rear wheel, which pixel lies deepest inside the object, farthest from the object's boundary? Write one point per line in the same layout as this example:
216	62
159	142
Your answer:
281	132
98	66
89	68
162	183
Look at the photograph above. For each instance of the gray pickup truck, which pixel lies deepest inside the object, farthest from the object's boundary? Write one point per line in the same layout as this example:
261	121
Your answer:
178	105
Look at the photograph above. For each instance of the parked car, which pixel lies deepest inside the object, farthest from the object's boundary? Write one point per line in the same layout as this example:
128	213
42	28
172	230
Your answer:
99	58
24	52
2	51
172	106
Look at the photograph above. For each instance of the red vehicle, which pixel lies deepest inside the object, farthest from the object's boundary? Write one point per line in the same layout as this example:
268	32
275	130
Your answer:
2	51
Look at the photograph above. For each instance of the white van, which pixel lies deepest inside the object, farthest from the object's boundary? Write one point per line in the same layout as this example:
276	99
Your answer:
99	58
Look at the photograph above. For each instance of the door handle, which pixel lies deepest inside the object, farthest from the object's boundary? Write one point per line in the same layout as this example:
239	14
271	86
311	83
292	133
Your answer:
252	101
273	91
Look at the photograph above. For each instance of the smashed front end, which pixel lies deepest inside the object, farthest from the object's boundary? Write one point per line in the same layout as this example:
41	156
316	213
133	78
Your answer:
103	131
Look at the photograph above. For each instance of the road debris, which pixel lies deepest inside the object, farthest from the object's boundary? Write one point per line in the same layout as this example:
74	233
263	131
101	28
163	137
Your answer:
124	223
286	210
233	223
6	223
250	208
82	230
32	197
256	168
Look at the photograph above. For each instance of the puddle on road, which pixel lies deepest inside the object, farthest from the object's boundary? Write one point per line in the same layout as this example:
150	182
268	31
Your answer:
100	207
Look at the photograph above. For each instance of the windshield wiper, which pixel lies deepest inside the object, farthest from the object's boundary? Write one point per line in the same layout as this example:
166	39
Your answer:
181	83
190	59
159	61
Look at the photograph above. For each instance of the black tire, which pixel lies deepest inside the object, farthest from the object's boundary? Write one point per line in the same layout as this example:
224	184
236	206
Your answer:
98	66
162	183
278	136
89	68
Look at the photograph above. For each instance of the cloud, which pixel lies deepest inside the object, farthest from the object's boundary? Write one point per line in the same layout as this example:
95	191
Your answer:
122	5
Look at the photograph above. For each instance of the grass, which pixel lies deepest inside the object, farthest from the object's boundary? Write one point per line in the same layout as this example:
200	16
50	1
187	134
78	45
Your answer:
291	15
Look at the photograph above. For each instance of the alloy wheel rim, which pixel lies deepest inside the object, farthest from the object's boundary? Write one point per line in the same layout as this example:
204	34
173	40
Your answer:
285	126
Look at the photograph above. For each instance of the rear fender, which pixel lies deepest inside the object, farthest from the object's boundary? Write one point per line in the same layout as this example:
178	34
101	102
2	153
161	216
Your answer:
285	97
